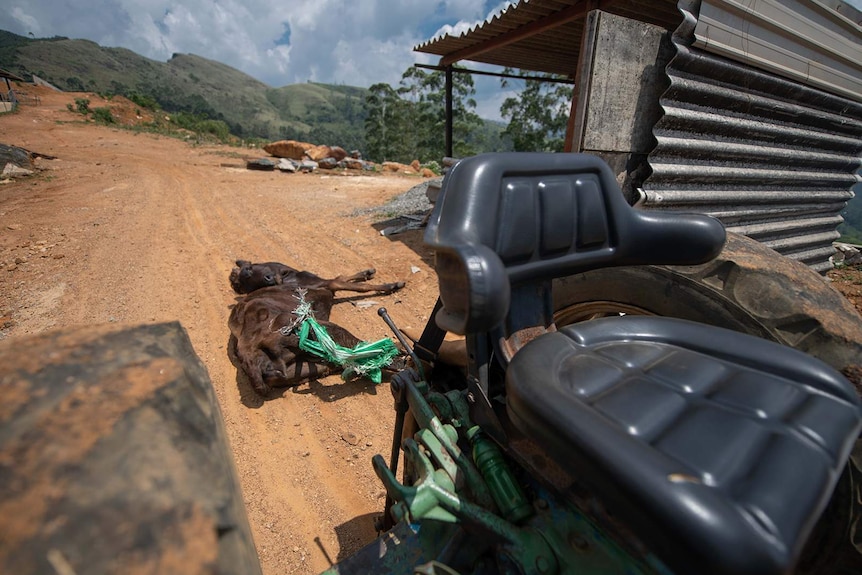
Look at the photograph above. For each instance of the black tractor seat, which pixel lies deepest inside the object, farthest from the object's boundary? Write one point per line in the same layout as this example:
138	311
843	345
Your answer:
720	450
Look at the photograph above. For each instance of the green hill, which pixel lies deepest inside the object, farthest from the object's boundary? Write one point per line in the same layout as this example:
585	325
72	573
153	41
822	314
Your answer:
318	113
189	83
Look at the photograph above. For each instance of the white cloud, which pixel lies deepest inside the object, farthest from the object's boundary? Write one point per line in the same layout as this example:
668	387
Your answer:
332	41
472	21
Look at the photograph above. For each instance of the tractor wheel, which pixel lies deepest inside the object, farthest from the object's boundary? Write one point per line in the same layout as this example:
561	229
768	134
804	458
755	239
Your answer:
114	458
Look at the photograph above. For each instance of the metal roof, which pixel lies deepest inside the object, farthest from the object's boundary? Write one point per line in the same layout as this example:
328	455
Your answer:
542	35
10	76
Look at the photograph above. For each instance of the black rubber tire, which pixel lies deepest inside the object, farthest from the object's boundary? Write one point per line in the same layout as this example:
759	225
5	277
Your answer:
114	458
752	289
748	288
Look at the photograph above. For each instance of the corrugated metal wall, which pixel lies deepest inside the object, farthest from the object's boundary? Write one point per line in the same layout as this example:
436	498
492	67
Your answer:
774	159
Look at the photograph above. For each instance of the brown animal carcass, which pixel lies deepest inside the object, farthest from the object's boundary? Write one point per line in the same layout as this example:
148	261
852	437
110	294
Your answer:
264	324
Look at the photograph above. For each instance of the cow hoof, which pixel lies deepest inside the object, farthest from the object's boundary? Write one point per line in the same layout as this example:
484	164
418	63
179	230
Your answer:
368	274
393	287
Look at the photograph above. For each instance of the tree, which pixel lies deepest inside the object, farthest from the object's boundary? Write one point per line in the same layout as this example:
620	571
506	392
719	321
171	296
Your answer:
410	123
427	92
383	122
538	116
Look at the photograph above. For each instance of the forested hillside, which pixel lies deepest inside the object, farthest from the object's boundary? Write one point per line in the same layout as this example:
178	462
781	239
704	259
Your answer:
190	84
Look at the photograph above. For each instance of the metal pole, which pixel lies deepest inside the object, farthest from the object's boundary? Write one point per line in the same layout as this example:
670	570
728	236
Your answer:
449	152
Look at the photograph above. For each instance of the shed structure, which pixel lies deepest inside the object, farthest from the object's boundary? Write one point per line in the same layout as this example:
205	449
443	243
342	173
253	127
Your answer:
8	99
747	110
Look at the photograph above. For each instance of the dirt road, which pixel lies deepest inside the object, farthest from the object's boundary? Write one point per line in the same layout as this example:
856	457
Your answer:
135	228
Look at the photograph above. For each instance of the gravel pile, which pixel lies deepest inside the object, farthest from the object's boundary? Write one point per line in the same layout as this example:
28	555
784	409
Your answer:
413	201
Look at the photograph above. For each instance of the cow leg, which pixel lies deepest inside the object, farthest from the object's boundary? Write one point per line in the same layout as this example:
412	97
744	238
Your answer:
338	284
361	276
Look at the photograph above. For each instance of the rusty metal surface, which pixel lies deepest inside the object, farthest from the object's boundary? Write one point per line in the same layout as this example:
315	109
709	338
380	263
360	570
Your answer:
773	159
113	457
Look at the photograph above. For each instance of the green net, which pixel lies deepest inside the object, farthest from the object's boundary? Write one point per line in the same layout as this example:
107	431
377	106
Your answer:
365	359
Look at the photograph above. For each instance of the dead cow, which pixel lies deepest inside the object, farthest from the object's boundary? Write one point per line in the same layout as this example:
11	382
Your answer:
264	341
247	277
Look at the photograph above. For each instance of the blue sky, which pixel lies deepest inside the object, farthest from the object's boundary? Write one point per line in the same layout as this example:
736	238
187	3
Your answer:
357	43
279	43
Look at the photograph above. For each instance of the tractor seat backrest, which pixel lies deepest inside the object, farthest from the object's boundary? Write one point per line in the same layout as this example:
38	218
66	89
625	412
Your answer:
508	220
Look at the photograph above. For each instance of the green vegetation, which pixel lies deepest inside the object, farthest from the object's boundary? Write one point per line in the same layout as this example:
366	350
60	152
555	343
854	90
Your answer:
103	115
219	102
851	229
538	117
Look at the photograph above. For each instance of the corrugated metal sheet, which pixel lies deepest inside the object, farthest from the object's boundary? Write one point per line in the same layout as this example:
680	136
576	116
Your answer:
555	49
772	158
804	41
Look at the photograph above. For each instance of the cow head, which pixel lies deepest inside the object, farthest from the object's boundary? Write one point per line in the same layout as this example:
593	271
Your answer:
247	277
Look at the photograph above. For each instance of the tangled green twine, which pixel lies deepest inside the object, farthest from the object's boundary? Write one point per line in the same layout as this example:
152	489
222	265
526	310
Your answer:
365	359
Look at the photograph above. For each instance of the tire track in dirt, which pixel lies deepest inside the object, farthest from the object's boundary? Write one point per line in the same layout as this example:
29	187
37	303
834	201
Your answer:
288	486
291	502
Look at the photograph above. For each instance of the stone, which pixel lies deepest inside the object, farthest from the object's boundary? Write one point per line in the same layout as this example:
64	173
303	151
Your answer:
318	153
397	167
287	165
307	166
327	163
288	149
337	152
260	164
13	171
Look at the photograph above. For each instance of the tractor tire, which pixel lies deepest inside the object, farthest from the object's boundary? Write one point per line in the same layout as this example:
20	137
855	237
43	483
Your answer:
752	289
114	458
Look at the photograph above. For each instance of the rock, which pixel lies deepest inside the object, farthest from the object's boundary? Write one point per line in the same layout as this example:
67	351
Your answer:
288	149
13	227
318	153
397	167
307	166
427	173
846	254
350	438
415	165
260	164
13	171
337	152
352	163
20	157
356	154
327	163
287	165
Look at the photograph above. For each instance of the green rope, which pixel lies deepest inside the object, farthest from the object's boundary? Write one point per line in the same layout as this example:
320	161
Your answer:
365	359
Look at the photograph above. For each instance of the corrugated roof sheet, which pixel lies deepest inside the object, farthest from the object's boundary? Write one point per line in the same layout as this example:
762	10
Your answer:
770	157
553	50
808	41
